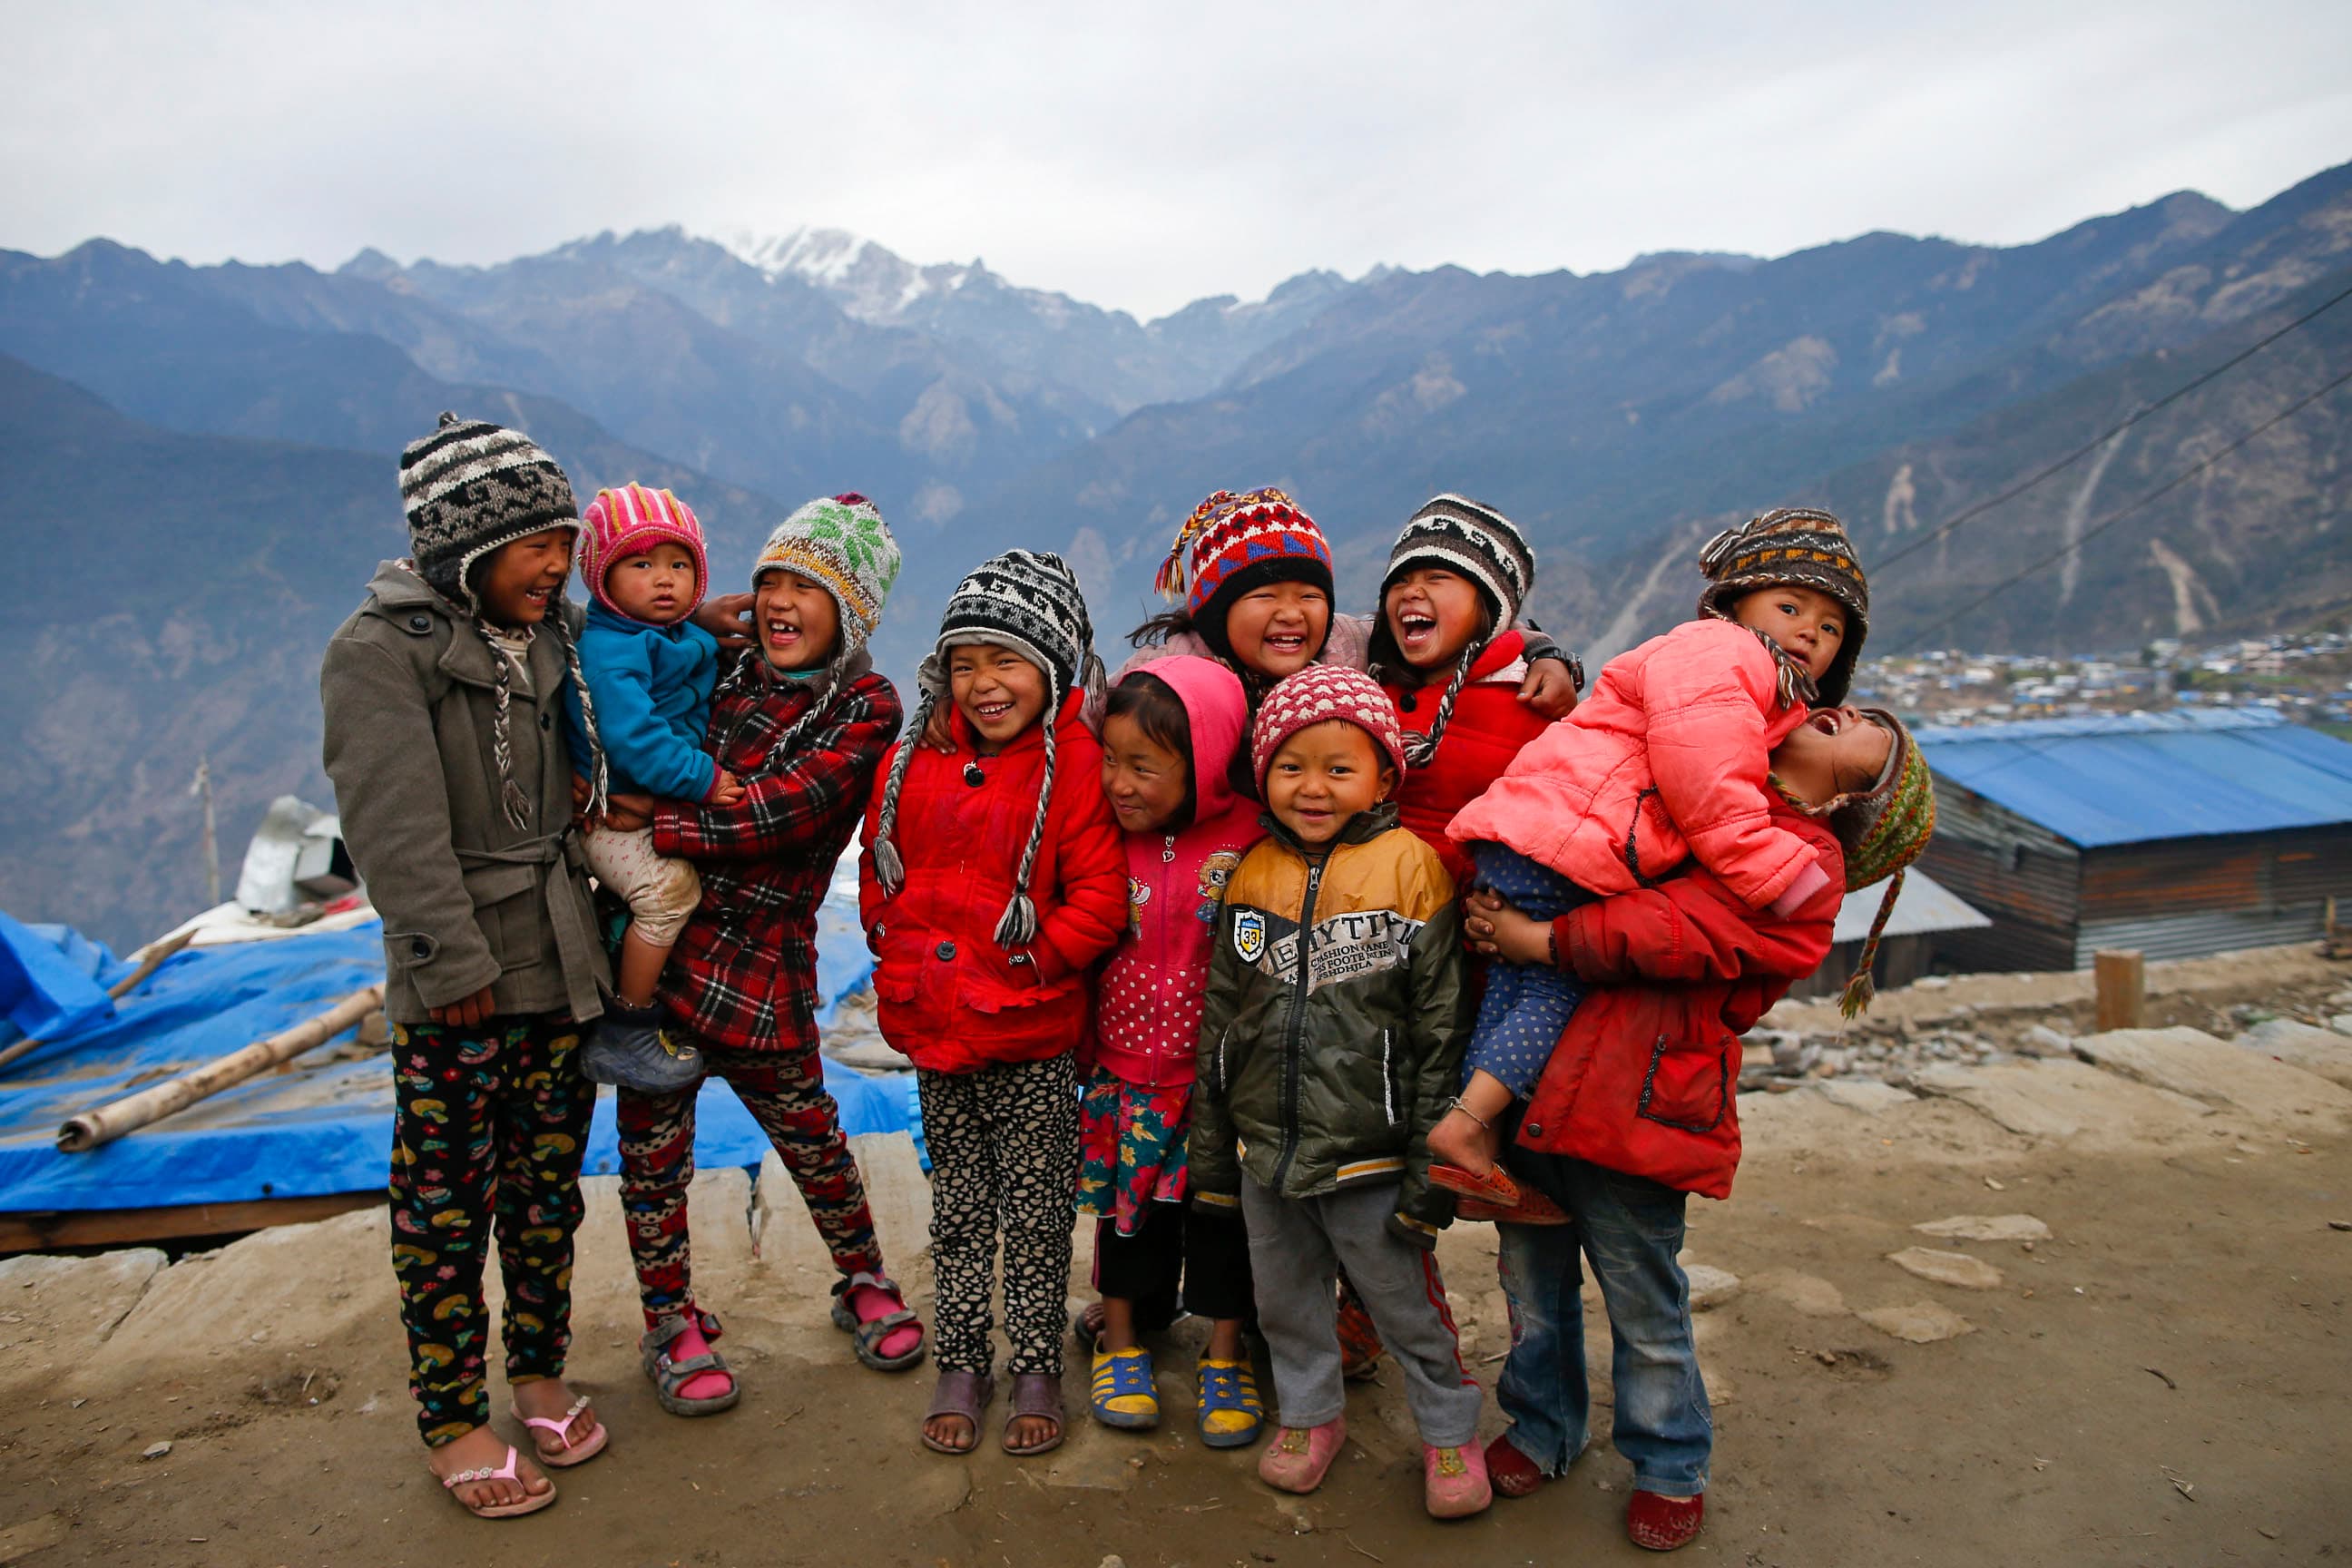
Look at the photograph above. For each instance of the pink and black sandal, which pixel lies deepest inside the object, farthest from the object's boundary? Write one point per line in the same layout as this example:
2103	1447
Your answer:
570	1453
671	1375
507	1472
868	1335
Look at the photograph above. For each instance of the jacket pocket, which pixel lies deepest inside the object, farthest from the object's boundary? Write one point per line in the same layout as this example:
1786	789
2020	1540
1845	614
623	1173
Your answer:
505	910
1653	845
1688	1087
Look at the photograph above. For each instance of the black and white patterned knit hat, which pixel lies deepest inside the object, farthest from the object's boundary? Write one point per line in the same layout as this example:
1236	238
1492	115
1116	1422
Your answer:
1475	540
1027	600
470	487
1472	538
1799	545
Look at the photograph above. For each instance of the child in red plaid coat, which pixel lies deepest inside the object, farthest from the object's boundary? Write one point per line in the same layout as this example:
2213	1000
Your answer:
805	721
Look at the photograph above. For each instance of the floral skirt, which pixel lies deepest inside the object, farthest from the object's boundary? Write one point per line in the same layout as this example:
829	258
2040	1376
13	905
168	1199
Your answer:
1130	1147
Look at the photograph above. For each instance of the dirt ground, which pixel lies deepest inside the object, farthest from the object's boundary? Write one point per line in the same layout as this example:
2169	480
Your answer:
2166	1379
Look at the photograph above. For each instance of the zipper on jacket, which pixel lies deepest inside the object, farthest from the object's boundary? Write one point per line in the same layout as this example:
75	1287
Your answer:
1387	1078
1296	1045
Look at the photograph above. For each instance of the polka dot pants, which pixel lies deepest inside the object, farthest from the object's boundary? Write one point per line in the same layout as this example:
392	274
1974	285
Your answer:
1525	1005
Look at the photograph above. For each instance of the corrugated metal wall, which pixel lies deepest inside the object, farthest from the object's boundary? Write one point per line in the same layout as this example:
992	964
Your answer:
2022	876
2184	898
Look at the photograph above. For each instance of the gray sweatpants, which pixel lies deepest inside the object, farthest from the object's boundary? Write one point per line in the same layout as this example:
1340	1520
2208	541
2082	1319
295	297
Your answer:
1297	1247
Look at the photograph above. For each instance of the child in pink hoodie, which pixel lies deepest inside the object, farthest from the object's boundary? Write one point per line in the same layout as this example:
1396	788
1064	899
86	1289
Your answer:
1664	763
1169	737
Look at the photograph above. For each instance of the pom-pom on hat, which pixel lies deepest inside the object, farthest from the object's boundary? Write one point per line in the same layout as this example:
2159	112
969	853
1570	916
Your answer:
631	520
471	486
842	544
1027	600
1231	543
1315	695
1472	538
1883	829
1794	545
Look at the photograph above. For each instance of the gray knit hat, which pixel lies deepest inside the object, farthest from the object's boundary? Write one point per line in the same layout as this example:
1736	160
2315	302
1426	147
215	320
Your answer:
1472	538
1027	600
470	487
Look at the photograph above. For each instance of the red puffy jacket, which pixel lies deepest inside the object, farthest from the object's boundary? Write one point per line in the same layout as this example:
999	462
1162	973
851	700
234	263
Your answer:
1489	726
1645	1078
951	998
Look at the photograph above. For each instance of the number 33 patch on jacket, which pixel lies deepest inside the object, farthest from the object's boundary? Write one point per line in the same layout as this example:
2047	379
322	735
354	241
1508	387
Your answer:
1249	935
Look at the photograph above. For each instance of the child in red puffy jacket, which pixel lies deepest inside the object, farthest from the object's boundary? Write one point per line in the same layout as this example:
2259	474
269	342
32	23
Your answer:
1665	762
994	876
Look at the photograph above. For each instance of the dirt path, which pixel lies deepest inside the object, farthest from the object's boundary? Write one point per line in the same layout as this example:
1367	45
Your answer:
2167	1379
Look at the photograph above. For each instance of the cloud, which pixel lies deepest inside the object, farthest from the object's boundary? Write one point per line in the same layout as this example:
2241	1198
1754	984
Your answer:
1141	156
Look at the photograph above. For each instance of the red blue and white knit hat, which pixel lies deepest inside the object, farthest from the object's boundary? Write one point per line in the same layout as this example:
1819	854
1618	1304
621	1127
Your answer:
629	521
1233	542
1318	693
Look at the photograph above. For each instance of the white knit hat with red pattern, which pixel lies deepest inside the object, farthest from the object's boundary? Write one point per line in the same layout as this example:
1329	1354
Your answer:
1316	694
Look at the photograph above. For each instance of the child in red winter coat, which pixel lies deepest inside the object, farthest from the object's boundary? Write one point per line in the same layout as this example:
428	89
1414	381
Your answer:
994	876
1169	739
1664	763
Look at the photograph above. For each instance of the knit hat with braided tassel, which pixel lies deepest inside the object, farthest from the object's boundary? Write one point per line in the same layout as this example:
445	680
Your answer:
1027	600
1481	545
1883	829
1799	545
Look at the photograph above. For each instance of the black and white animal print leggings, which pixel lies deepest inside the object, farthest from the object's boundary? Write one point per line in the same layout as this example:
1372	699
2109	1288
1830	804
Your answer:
1005	1158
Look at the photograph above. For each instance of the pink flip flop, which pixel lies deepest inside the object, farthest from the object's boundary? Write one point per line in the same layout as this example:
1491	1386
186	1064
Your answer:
571	1453
529	1504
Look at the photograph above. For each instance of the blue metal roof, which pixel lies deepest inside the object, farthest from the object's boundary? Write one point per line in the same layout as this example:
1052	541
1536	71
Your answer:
2129	778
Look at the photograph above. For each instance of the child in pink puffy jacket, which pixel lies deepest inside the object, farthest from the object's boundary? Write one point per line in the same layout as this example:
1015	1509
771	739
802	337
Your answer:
1663	763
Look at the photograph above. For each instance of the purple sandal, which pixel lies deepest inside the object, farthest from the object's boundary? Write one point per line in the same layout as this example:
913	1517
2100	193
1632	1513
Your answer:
1034	1394
964	1393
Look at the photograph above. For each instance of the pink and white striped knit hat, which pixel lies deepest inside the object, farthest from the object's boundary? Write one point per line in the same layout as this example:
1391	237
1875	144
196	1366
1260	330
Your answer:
629	521
1318	693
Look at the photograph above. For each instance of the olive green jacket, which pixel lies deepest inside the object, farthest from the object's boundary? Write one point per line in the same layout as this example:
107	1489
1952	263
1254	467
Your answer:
468	900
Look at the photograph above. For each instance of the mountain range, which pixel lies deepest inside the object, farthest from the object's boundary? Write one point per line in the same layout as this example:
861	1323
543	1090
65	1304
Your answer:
205	454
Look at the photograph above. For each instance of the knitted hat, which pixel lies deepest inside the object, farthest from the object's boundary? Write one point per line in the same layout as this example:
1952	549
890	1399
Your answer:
1027	600
1317	693
1883	829
1472	539
1800	547
629	521
470	487
1233	544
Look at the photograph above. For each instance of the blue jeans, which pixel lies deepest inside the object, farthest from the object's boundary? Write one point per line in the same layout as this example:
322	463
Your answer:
1632	1229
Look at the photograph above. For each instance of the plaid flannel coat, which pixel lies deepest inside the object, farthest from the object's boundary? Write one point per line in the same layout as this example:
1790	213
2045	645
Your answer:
744	975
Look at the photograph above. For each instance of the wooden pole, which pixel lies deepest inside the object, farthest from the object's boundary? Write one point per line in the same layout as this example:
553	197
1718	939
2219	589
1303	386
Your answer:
117	992
107	1122
2122	982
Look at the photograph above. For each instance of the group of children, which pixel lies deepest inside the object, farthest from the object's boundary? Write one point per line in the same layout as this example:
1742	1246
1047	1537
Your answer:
1187	949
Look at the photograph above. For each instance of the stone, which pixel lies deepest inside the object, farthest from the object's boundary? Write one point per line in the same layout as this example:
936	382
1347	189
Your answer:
2192	1062
2326	1052
2042	1040
2059	1099
1956	1268
56	1312
21	1540
1709	1287
2341	1022
1813	1297
155	1450
1918	1323
1986	1227
1867	1095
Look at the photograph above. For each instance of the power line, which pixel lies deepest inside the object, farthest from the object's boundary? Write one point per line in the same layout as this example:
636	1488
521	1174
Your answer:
2079	453
2112	517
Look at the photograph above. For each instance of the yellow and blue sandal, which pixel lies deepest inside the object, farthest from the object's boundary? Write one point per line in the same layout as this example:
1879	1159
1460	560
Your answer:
1231	1415
1122	1392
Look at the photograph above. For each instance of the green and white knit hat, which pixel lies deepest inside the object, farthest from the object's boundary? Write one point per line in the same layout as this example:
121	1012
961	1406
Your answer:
1882	830
842	542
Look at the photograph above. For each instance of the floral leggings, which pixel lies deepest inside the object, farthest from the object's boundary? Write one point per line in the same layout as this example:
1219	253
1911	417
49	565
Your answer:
1004	1156
488	1125
784	1091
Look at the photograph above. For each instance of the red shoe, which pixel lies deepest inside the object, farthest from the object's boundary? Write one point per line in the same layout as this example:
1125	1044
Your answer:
1511	1473
1532	1208
1657	1523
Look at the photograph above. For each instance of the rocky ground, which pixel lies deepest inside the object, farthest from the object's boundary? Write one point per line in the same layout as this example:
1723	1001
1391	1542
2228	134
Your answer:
1981	1295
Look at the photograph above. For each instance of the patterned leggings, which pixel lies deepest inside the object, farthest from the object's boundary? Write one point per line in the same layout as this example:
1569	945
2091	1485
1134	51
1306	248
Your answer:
784	1091
1004	1156
489	1123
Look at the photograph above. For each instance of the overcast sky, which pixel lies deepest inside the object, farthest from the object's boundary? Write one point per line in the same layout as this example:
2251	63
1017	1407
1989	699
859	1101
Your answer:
1141	155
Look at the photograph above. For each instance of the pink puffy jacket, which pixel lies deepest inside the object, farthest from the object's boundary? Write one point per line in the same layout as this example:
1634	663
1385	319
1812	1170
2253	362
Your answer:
1147	1023
1666	760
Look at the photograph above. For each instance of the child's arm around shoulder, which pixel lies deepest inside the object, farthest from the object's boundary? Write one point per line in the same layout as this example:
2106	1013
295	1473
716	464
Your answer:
384	759
819	789
1692	928
1436	1034
1710	698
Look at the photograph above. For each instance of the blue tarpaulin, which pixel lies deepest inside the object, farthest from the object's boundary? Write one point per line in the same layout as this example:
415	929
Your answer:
324	1127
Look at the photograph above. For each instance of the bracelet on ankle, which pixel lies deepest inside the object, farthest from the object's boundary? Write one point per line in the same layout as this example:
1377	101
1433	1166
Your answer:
1455	1104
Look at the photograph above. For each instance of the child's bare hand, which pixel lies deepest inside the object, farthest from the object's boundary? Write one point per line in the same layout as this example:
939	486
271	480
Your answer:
727	789
463	1015
728	617
1549	689
939	733
580	796
1496	929
628	813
